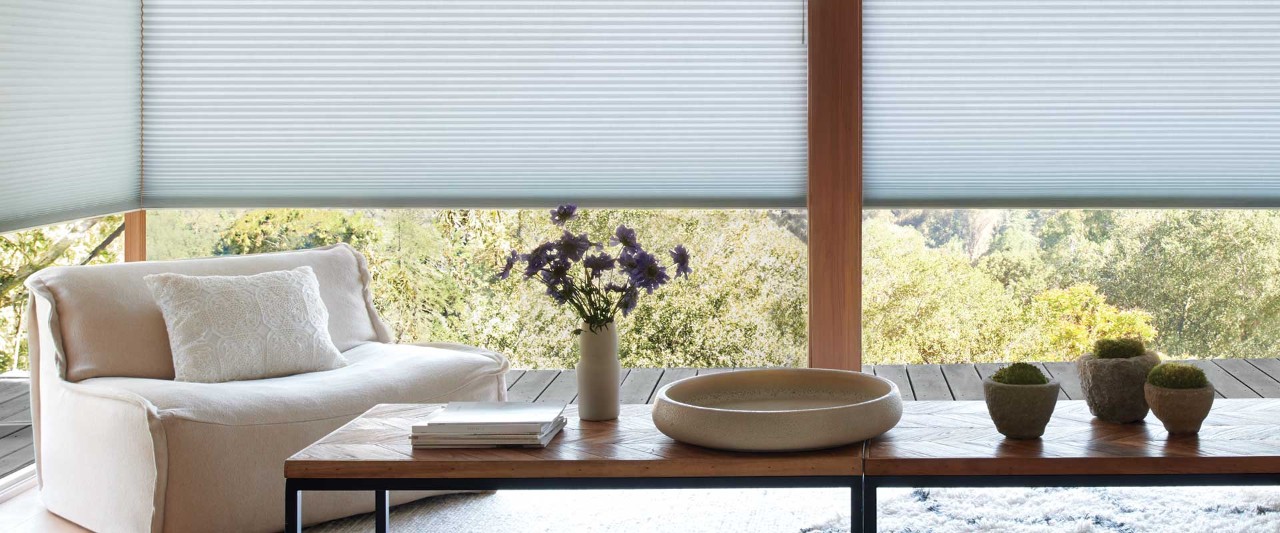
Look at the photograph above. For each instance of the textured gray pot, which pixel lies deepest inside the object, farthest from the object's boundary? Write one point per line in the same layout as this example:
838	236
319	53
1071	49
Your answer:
1020	411
1180	410
1113	388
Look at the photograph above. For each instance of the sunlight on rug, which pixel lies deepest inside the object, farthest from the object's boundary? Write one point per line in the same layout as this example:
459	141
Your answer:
1127	510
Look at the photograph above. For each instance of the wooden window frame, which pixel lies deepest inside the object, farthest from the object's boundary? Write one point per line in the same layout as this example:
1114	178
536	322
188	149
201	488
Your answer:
135	235
835	184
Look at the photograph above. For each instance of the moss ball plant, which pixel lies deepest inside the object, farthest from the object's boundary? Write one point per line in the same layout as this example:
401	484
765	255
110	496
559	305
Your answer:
1019	374
1177	376
1118	348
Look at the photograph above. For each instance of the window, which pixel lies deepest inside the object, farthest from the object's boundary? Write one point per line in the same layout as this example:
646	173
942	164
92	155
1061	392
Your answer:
745	305
949	286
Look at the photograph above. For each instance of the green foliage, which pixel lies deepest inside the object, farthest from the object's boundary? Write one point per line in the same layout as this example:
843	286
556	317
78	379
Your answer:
23	253
1177	376
1118	348
271	230
744	305
1069	319
939	286
1019	374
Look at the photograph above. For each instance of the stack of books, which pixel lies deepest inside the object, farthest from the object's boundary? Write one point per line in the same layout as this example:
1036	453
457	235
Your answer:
490	425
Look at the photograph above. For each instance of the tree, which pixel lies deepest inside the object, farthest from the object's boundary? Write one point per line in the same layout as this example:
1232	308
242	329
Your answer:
931	305
24	253
1211	279
1070	320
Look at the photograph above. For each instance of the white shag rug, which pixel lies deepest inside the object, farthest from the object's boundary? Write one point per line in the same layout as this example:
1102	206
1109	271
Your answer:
1079	510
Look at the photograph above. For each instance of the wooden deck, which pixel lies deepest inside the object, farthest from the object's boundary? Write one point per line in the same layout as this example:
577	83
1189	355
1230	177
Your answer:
16	450
1234	378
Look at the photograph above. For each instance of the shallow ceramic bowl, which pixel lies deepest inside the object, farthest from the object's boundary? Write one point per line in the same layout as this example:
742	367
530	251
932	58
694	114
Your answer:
775	410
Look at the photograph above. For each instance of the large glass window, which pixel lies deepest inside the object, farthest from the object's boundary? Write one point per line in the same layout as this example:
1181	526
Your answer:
946	286
434	277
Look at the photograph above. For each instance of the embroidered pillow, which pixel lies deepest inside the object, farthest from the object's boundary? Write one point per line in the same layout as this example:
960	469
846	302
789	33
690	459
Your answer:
231	328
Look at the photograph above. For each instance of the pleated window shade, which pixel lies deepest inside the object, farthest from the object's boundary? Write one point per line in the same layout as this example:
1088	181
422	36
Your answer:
69	110
1076	103
332	103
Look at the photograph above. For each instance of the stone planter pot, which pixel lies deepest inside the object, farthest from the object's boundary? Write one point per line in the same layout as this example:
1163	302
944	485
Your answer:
1020	411
1180	410
1113	388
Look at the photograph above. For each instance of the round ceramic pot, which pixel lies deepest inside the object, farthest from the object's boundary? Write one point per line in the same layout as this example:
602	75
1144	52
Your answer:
1180	410
1113	388
598	373
1020	411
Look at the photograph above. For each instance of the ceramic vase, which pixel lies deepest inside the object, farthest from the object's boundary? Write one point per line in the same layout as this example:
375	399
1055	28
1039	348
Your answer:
1113	388
1020	411
598	373
1182	411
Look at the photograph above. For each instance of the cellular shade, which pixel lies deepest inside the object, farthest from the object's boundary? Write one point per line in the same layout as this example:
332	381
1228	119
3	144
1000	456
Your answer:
69	109
1078	103
474	103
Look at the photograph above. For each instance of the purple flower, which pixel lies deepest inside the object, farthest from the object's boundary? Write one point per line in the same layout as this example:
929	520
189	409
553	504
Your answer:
557	273
646	273
680	256
511	263
597	264
573	247
563	214
538	258
627	302
627	260
626	237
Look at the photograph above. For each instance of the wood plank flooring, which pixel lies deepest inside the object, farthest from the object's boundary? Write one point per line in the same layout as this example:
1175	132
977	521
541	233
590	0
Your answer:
16	450
1234	378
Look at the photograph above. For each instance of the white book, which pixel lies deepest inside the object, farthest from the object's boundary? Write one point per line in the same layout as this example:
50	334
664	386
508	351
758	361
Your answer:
483	418
489	441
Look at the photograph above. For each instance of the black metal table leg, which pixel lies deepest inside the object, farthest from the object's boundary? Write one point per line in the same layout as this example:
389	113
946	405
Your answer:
292	507
855	508
868	505
381	511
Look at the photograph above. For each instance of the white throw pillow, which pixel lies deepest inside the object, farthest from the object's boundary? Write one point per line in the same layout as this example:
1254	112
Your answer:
230	328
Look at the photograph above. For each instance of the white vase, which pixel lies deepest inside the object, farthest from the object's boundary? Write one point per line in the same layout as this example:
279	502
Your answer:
598	373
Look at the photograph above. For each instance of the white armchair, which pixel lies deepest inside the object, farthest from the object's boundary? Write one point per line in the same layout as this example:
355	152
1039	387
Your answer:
120	446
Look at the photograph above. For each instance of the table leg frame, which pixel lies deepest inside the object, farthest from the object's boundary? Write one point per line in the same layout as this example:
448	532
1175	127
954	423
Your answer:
381	487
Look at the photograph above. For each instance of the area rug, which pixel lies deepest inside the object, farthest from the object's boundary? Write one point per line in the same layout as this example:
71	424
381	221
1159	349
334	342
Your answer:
1126	510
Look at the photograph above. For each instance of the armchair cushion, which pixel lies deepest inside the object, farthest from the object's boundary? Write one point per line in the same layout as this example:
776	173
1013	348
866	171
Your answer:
209	456
227	328
104	321
375	373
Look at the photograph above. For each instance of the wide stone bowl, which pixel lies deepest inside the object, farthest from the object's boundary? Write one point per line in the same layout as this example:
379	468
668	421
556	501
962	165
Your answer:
777	410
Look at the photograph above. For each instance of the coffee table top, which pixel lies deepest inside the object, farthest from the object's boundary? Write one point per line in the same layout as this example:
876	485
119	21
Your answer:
376	445
958	438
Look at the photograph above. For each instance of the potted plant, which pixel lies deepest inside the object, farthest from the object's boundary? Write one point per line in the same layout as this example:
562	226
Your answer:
1113	378
597	285
1180	395
1021	400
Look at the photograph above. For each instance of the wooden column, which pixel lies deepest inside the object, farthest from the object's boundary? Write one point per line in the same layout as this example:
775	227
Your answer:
835	184
135	235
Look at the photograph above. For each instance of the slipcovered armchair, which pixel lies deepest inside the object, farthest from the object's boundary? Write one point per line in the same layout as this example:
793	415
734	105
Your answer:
121	446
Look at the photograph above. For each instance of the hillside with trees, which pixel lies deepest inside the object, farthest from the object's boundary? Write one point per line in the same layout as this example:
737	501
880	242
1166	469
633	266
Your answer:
939	286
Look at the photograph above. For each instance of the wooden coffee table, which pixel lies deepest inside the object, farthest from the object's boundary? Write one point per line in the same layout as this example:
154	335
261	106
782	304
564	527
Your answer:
373	453
954	444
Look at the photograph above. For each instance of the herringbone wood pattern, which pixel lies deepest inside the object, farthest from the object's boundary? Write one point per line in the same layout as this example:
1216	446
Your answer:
377	445
958	438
